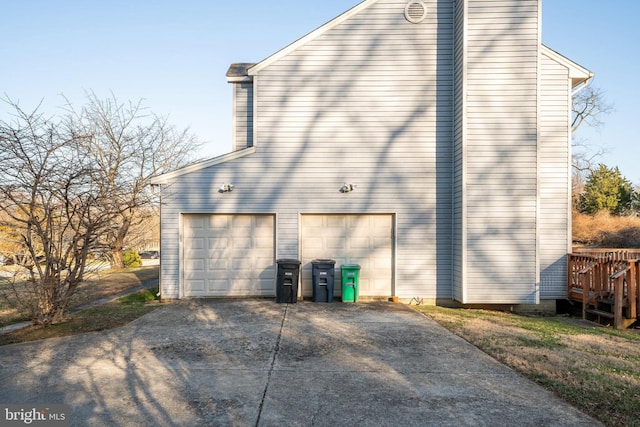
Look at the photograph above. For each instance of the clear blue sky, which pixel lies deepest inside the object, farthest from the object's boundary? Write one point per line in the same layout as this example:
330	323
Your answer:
174	54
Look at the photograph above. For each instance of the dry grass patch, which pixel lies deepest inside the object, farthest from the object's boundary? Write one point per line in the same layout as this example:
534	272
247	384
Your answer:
107	316
103	284
594	368
605	230
99	284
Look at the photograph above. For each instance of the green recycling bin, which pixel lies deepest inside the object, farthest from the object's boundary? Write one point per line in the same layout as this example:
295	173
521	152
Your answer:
350	277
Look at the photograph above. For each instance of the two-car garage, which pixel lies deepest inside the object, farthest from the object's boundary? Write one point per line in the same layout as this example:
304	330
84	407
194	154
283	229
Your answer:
234	254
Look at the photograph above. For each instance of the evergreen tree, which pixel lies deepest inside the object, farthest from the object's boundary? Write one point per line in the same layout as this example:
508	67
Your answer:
606	189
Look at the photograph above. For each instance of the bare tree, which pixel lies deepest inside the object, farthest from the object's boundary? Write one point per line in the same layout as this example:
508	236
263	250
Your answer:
589	105
48	201
128	145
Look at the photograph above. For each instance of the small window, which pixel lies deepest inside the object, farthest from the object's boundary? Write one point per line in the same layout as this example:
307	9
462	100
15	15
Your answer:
415	12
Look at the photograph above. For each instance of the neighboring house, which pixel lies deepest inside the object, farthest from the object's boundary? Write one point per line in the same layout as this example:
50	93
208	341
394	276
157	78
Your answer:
449	119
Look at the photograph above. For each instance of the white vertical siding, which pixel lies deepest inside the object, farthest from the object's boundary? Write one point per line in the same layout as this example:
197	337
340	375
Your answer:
499	182
555	164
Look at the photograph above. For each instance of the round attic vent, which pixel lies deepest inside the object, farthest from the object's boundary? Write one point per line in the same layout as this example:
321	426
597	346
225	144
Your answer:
415	11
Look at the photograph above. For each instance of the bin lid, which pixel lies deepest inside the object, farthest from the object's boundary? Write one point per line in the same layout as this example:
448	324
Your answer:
351	266
288	261
323	261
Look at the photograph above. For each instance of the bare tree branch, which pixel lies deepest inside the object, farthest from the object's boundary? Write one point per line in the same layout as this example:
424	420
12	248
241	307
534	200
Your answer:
589	106
128	146
49	204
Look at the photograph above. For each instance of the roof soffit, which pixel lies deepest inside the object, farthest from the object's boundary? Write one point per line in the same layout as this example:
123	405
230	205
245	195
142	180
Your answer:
577	73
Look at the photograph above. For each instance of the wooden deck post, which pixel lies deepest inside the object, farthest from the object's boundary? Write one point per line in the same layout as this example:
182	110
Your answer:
618	294
637	263
632	289
584	284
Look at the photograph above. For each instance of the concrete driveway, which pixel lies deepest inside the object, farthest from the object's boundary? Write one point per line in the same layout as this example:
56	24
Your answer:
258	363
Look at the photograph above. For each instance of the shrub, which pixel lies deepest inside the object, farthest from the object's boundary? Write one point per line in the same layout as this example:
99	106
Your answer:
131	258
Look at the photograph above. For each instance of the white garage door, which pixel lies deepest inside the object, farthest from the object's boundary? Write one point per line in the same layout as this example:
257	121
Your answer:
228	255
366	240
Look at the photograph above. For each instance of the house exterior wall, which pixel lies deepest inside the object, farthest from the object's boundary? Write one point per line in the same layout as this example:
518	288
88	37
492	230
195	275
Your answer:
456	126
496	182
368	103
555	179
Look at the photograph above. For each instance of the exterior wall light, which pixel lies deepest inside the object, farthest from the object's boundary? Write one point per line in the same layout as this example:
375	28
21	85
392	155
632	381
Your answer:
225	188
347	187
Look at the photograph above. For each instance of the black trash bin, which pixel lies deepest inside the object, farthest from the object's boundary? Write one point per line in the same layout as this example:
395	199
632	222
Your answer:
323	276
287	280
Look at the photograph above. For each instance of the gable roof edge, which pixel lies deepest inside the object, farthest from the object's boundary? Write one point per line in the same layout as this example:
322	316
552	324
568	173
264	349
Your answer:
310	36
577	73
166	178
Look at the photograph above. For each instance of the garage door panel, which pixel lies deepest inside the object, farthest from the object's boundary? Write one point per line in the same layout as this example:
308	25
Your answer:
381	222
336	221
196	265
217	287
335	243
265	285
216	222
264	223
360	243
194	243
364	263
232	255
218	264
241	242
263	263
197	286
197	223
239	221
264	242
360	225
312	243
378	285
350	239
217	243
381	242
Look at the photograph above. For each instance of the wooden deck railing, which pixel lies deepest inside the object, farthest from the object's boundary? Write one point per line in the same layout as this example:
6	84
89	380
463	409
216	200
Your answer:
607	283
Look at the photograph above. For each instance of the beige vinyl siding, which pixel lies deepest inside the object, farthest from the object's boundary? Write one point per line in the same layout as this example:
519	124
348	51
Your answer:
555	164
499	183
242	115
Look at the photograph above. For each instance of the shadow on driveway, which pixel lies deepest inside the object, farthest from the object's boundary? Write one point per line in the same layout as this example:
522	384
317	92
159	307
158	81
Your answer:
254	362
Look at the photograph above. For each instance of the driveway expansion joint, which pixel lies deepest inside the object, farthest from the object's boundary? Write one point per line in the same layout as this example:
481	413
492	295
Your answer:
273	363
